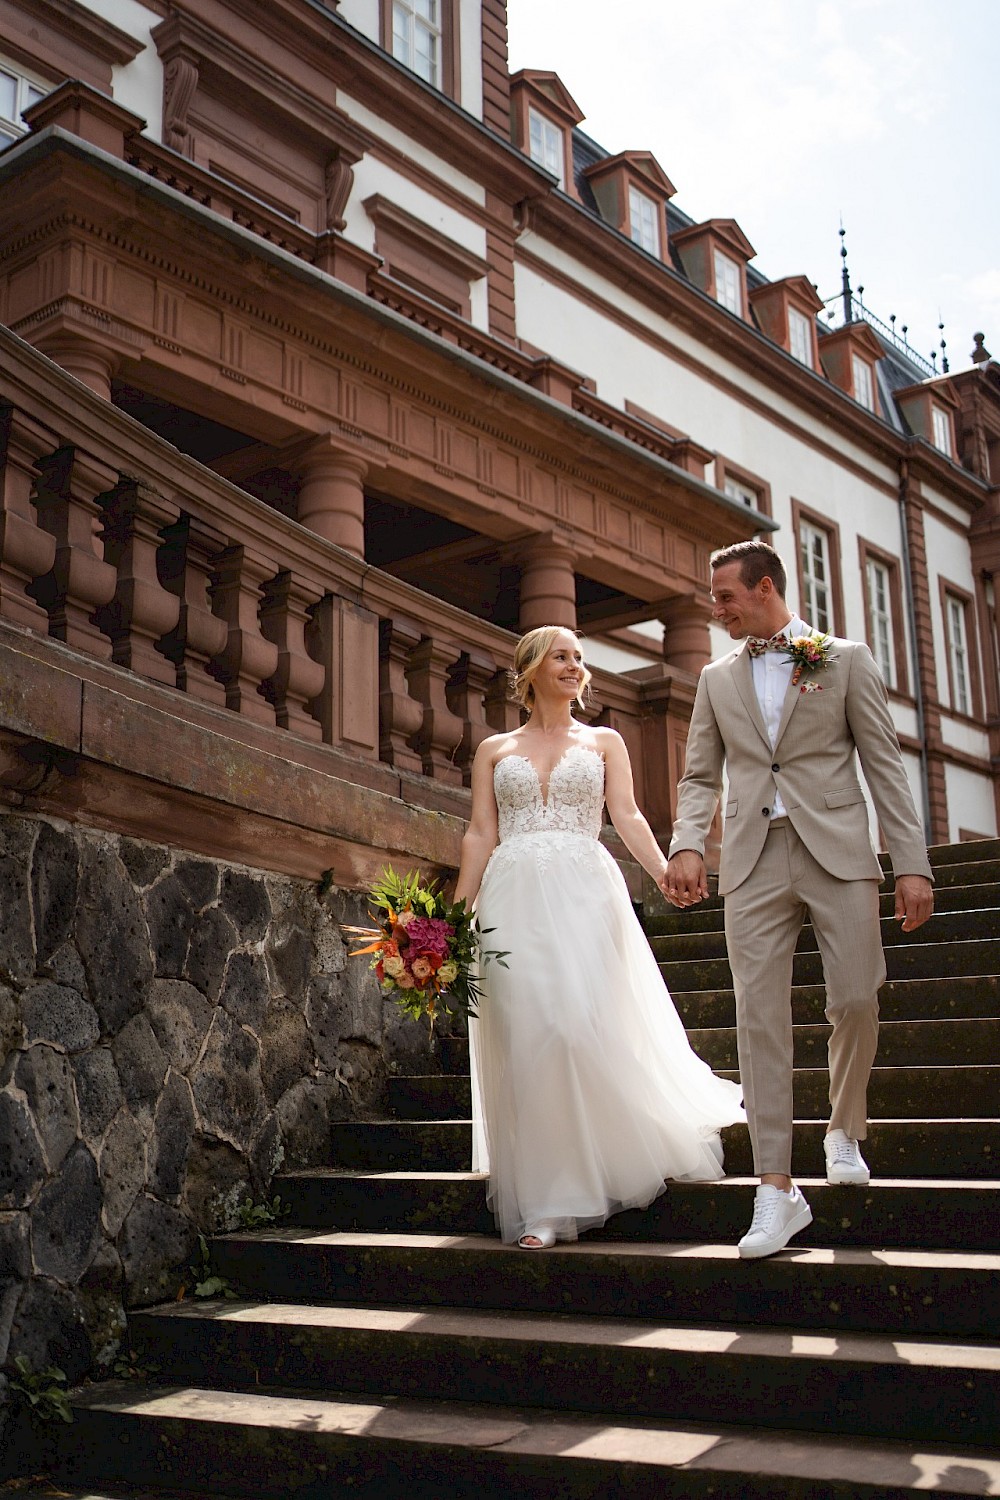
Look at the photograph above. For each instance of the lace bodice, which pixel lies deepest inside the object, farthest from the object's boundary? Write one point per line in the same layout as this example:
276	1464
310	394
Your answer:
575	801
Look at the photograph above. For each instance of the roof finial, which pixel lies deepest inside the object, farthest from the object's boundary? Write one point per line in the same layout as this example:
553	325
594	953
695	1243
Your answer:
845	276
944	346
980	354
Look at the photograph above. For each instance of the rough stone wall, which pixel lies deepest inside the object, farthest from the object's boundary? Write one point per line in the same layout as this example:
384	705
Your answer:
172	1031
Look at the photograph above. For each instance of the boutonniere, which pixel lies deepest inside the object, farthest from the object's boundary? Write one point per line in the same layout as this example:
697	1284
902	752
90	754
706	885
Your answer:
808	653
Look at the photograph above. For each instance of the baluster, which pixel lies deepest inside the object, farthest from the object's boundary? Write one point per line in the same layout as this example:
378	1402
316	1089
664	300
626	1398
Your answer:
400	715
26	551
142	610
503	712
183	567
343	636
466	691
298	679
247	659
79	581
440	734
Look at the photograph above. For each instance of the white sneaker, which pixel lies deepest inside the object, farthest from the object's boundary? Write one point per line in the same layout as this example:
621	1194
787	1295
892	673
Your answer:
844	1162
776	1217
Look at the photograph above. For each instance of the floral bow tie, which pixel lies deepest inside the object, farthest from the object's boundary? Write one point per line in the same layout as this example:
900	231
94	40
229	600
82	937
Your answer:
756	645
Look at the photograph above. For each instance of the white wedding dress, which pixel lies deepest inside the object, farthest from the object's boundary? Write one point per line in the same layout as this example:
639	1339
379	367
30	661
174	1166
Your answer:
586	1093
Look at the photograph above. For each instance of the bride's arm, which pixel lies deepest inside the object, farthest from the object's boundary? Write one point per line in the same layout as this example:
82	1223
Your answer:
619	794
481	835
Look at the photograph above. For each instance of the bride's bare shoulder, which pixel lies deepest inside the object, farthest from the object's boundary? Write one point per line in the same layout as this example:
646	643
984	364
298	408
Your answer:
496	746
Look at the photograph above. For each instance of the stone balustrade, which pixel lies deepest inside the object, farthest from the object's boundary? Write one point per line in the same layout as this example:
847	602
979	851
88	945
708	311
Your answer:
126	550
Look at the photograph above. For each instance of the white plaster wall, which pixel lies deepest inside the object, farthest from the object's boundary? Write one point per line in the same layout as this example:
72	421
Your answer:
363	15
458	181
138	85
470	41
970	802
965	737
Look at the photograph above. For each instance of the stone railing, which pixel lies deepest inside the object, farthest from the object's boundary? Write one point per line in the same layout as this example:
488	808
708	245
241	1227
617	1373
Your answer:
125	550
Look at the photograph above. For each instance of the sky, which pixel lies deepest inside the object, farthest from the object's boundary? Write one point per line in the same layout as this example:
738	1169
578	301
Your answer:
791	116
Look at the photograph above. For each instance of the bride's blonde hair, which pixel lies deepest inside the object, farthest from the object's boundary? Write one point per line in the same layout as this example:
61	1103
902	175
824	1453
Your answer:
529	653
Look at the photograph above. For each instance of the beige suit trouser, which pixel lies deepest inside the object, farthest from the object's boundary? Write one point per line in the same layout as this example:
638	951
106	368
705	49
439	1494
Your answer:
764	916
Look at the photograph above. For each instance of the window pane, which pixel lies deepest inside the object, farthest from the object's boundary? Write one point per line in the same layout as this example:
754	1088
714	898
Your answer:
401	48
545	144
642	221
880	619
800	337
816	601
8	96
959	655
742	492
31	96
727	283
863	388
941	430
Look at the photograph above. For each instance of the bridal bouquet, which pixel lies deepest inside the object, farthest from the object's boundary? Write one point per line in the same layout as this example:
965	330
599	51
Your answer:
424	946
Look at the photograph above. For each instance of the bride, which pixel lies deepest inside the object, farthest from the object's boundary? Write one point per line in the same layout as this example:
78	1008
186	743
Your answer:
586	1094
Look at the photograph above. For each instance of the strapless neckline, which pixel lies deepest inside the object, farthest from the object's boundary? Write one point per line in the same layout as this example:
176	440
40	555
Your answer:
543	791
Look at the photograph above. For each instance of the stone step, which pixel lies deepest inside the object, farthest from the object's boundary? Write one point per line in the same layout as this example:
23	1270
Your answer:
918	1148
903	961
943	928
447	1096
893	1213
905	1291
894	1093
917	1094
901	1044
708	917
973	851
389	1448
959	997
934	1389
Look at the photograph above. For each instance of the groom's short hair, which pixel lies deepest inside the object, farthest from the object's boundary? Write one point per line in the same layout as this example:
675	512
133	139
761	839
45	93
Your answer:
757	560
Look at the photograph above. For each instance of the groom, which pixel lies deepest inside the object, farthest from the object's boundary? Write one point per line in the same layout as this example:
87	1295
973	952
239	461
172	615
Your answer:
796	839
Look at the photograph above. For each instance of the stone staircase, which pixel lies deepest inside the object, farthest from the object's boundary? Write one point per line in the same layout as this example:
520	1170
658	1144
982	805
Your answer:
387	1344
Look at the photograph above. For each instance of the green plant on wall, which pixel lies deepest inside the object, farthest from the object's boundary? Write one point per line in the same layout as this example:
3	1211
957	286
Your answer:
42	1392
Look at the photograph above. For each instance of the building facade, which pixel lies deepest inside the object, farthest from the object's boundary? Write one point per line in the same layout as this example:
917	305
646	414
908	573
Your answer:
338	254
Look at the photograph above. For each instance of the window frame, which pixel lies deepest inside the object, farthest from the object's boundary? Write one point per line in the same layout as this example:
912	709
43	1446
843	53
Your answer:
733	278
869	554
953	594
803	515
12	130
559	141
859	363
941	427
636	198
798	319
449	82
747	481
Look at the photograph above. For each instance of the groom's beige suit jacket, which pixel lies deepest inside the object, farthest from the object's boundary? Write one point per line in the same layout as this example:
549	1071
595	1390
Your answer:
814	764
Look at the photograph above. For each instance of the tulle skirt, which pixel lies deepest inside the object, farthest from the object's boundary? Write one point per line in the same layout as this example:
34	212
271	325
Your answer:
586	1093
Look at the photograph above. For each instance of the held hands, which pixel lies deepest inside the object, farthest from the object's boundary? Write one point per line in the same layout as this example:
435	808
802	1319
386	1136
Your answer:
684	882
914	900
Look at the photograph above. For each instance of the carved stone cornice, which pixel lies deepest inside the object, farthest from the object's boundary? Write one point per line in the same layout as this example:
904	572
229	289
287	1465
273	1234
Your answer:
80	25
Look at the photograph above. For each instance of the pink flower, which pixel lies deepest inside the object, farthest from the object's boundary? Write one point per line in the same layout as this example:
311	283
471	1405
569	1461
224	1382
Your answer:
405	980
430	935
422	969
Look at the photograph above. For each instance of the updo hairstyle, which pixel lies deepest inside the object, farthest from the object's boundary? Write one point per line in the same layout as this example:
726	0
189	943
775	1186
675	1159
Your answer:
529	653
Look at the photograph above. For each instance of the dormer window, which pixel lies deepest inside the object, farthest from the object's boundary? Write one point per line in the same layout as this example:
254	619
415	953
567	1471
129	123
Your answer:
416	37
546	145
643	219
728	283
863	382
800	337
941	430
17	93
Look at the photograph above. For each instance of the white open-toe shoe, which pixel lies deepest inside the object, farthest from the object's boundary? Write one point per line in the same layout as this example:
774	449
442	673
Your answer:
543	1233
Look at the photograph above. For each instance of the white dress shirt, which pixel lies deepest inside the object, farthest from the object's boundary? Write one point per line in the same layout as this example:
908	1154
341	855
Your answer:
772	674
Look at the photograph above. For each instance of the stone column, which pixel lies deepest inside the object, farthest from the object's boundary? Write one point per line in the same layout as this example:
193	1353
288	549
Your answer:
92	363
332	496
548	585
686	642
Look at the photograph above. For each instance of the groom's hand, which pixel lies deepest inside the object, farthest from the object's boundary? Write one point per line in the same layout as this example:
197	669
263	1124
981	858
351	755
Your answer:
684	882
914	900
